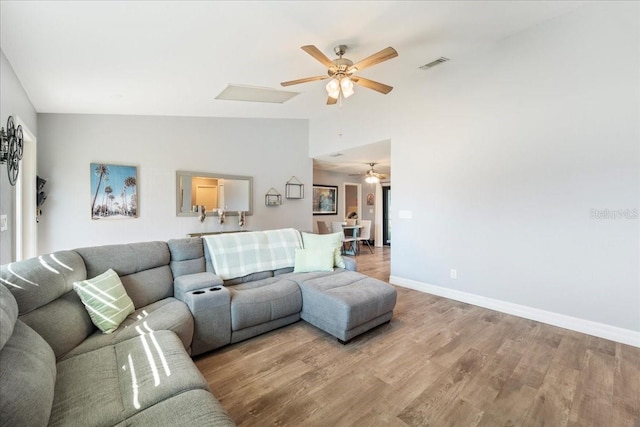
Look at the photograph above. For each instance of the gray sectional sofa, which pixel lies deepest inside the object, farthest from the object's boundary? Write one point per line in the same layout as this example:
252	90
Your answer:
57	368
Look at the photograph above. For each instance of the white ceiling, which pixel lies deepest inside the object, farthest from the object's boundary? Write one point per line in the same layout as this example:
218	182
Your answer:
356	160
174	57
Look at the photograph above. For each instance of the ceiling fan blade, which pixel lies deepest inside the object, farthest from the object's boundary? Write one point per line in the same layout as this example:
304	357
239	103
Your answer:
332	101
376	58
319	56
371	84
305	80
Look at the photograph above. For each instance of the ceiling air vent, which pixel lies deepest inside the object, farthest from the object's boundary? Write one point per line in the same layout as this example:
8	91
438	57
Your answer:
434	63
255	94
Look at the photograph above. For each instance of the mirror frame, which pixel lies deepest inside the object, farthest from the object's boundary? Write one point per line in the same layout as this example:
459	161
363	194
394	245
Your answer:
212	175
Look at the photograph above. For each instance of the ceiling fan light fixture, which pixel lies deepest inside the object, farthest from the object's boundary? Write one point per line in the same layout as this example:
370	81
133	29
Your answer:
333	88
341	71
372	179
347	87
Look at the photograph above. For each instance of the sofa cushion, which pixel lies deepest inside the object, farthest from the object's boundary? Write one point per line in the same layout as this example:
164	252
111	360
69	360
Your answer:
167	314
142	267
249	278
300	278
187	256
262	301
149	286
8	314
111	384
64	314
314	260
347	300
322	241
193	408
38	281
105	299
125	259
27	378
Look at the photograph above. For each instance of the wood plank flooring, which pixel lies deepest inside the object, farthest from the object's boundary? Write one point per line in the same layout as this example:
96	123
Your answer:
438	363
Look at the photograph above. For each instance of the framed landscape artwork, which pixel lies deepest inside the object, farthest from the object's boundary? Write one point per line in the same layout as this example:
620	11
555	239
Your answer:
325	200
114	191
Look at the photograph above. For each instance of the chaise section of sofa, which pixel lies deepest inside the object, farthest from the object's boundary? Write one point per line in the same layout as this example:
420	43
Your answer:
241	285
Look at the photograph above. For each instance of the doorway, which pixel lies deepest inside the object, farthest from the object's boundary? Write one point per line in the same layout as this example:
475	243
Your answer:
352	196
207	195
386	218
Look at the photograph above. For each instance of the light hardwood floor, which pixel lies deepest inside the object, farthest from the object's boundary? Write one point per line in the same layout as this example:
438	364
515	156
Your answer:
438	363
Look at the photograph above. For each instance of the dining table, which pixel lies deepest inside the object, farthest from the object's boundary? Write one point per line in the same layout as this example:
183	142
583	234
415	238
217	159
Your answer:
355	231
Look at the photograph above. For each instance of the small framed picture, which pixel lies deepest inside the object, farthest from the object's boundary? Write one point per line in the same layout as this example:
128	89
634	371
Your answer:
325	200
370	199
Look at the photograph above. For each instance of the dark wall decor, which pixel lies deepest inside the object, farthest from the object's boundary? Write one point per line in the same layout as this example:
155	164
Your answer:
325	199
41	196
11	149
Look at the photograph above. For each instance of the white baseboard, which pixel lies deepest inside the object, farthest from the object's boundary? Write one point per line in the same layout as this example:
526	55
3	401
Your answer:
613	333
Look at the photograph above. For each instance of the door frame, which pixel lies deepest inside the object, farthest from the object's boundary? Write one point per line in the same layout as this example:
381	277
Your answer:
386	215
26	231
343	198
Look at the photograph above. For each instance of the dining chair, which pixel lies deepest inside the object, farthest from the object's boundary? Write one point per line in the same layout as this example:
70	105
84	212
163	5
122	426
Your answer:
336	227
323	228
365	233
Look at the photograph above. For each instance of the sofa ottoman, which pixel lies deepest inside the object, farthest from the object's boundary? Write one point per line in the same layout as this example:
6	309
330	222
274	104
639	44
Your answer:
347	304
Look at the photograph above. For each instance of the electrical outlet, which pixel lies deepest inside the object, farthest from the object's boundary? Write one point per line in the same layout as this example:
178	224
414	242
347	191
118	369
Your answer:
3	223
454	274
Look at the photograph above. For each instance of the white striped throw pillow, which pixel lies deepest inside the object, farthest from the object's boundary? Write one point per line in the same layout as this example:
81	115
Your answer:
105	299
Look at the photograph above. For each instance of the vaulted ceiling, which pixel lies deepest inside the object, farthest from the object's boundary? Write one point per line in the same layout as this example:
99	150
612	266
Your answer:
174	57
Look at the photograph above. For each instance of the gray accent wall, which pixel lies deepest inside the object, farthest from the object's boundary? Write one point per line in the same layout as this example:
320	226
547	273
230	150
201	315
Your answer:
326	177
269	150
519	167
15	102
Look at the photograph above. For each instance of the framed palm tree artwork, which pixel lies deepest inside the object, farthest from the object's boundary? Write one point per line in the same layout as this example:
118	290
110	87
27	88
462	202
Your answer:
114	191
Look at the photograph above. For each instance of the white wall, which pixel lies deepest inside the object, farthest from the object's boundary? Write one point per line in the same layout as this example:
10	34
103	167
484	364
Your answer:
269	150
13	102
501	158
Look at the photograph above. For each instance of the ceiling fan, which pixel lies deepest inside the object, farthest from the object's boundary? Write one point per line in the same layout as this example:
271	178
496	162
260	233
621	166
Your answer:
372	177
341	71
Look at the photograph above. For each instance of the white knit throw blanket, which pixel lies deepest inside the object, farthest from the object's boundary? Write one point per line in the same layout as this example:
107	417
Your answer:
238	254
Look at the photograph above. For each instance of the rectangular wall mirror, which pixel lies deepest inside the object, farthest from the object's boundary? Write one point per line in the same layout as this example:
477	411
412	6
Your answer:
233	193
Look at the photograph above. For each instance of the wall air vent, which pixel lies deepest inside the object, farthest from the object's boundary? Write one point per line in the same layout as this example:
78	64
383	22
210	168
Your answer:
434	63
336	155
